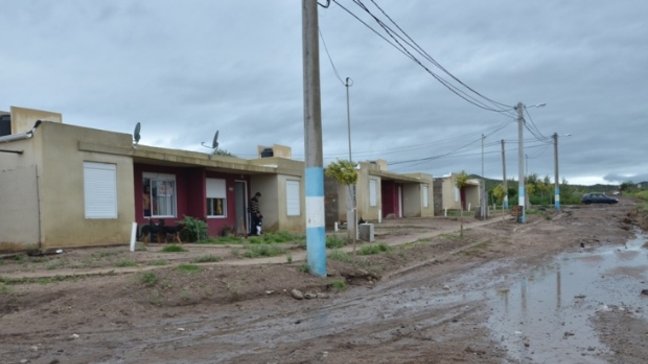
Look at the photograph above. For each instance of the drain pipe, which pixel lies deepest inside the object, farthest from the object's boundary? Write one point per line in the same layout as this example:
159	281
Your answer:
20	136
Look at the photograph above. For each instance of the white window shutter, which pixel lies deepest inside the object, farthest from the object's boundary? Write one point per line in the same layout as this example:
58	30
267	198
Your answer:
293	205
100	190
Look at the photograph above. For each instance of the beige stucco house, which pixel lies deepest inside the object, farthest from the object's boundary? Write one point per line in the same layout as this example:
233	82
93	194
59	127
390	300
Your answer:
382	194
449	195
63	185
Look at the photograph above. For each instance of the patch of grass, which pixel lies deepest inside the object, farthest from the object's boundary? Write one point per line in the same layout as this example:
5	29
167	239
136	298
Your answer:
207	259
334	242
55	264
276	238
4	289
188	268
262	250
339	285
148	279
158	262
126	263
304	268
340	256
173	248
222	240
476	249
104	254
289	258
373	249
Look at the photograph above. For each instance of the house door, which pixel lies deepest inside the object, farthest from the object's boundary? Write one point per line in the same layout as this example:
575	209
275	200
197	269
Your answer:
400	200
240	210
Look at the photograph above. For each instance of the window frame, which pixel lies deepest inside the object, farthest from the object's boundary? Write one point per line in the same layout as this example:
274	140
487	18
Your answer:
217	196
162	177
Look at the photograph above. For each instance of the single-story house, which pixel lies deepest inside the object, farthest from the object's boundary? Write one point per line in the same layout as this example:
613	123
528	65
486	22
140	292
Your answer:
63	185
448	195
381	194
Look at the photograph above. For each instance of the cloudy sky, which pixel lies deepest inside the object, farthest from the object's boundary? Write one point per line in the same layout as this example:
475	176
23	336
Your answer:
186	69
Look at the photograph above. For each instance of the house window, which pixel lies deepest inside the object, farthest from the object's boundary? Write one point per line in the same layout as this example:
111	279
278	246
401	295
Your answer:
100	190
159	197
425	192
373	192
216	197
293	200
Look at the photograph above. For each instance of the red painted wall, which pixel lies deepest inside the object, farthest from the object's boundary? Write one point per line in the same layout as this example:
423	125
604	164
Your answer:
191	195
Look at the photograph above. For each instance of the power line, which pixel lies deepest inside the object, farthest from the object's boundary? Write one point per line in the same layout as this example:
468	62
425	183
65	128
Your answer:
330	59
406	39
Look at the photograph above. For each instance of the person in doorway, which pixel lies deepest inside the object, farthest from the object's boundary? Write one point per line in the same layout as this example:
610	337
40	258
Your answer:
146	201
255	214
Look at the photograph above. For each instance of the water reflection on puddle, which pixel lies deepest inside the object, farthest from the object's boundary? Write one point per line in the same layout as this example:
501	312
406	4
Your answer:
544	317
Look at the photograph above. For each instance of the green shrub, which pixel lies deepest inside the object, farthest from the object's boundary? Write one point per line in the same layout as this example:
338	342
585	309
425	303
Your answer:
194	229
339	285
148	279
173	249
333	242
373	249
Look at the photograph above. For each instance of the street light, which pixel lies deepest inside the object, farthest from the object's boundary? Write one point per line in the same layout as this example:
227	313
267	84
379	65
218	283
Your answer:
353	226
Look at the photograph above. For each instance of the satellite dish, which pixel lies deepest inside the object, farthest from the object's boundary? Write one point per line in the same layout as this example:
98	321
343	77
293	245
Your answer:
215	141
136	133
214	144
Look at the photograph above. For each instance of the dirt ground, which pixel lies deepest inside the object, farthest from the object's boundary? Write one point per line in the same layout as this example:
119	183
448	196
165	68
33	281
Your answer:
209	305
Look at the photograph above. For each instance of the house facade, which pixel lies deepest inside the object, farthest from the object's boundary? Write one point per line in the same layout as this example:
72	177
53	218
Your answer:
68	186
446	189
382	194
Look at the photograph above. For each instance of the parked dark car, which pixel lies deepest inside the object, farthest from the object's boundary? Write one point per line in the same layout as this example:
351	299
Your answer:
597	197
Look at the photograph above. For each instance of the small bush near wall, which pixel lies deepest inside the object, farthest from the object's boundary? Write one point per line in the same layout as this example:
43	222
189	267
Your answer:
194	229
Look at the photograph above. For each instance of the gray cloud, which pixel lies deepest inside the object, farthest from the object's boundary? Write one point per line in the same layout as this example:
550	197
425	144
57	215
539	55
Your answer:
187	69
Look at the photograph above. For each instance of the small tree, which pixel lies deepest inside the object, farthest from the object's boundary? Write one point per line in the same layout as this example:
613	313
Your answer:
345	172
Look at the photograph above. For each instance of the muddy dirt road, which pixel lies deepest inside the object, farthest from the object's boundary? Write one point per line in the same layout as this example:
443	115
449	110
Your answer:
562	288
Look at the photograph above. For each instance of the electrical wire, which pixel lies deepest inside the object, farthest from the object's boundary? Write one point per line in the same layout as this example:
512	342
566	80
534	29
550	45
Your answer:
407	40
330	59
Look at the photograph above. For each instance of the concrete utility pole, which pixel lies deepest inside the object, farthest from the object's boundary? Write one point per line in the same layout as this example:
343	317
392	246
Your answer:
556	180
482	202
314	172
504	181
521	187
352	220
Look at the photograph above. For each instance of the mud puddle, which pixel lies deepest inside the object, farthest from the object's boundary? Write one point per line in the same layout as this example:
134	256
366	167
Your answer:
545	316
